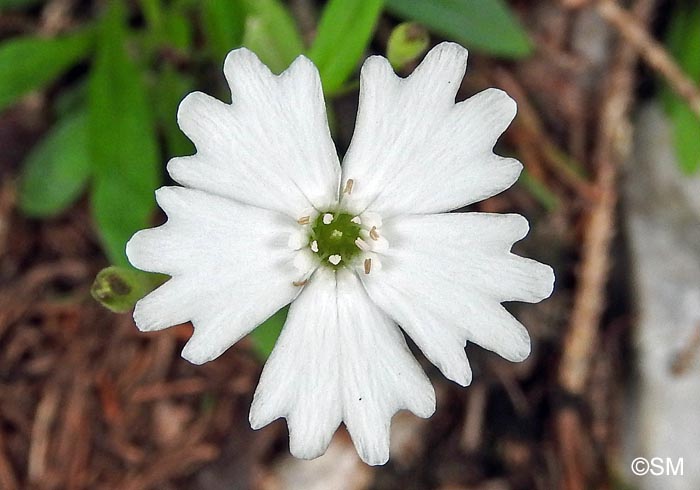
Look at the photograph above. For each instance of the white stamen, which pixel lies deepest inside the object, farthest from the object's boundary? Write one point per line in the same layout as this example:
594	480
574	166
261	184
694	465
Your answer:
362	245
327	219
335	259
304	220
356	220
373	234
348	186
314	246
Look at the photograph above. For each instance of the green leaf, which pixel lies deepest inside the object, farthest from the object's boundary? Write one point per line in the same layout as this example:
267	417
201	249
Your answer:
223	21
270	32
684	43
179	31
344	32
406	43
29	63
56	171
265	336
482	25
169	89
119	288
123	144
17	4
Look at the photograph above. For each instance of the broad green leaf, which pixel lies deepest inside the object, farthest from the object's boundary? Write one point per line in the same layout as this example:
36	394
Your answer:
56	171
406	43
270	32
223	21
119	288
265	336
29	63
482	25
344	32
123	144
684	42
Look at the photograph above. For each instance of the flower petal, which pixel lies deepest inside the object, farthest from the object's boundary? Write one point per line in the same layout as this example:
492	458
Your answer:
339	358
230	263
271	147
301	379
380	375
443	280
414	150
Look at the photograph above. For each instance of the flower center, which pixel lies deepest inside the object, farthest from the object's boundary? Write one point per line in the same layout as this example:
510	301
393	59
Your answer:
333	238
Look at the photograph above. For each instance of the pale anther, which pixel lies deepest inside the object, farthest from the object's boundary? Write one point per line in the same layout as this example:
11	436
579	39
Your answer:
348	186
362	245
356	220
299	283
368	265
327	219
374	235
304	220
335	259
314	246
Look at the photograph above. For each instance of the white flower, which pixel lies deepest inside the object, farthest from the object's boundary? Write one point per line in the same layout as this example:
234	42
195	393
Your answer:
266	216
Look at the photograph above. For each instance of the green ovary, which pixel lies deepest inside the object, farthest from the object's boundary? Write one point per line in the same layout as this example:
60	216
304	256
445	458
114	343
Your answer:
336	238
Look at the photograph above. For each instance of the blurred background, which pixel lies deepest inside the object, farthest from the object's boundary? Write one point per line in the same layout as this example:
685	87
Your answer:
608	130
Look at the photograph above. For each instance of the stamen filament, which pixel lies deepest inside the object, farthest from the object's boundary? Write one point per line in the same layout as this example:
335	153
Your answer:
348	186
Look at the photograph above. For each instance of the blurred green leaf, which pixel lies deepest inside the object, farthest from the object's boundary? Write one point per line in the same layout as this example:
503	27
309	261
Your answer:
29	63
344	31
406	43
539	191
57	169
223	22
178	29
119	288
684	43
482	25
17	4
265	336
270	32
170	88
123	144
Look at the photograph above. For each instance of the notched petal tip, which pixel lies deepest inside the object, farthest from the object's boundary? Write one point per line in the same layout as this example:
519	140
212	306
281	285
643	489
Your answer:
377	67
144	322
241	56
426	407
521	350
502	103
548	280
375	456
198	354
242	66
139	250
451	50
517	226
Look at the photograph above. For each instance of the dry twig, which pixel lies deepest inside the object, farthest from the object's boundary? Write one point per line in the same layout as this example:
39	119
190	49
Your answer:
652	52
